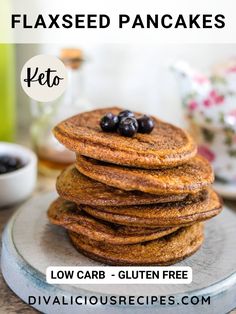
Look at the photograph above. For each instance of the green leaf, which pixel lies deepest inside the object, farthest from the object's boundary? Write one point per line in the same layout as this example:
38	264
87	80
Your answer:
208	135
232	152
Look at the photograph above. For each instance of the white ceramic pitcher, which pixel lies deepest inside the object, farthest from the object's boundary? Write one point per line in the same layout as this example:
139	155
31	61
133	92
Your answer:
209	103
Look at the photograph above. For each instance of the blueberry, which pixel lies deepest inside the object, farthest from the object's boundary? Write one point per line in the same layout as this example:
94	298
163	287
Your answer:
9	164
4	159
109	122
12	162
125	114
145	124
128	126
3	169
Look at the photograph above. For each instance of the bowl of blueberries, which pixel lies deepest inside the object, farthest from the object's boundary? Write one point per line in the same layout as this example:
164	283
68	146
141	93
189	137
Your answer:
18	173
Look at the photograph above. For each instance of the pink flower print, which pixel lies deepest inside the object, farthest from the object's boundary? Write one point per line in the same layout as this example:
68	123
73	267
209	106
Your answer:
232	69
216	98
192	105
233	113
219	99
213	94
206	152
207	102
200	79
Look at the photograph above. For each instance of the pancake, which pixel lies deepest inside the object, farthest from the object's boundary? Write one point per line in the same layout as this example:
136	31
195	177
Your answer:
165	146
203	206
165	251
74	186
188	178
71	217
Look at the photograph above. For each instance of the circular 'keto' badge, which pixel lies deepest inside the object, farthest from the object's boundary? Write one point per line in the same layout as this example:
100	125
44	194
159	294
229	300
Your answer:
44	78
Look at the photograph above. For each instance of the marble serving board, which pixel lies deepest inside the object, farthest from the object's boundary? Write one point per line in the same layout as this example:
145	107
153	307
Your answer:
31	244
226	189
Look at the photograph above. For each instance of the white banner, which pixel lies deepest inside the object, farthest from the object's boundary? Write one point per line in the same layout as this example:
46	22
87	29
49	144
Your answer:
118	275
123	21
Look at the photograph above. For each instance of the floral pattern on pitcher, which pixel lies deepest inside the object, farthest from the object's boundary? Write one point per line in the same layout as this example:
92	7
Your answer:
209	104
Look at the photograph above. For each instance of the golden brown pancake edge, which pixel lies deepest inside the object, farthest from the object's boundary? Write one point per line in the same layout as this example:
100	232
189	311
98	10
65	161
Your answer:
74	186
71	217
191	177
165	251
201	207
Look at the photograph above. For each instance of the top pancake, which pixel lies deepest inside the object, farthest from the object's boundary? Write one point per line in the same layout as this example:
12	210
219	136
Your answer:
191	177
165	146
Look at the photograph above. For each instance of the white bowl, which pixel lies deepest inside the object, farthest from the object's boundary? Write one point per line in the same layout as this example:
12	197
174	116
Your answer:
17	185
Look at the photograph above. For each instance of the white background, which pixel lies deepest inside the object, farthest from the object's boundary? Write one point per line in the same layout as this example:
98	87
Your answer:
133	76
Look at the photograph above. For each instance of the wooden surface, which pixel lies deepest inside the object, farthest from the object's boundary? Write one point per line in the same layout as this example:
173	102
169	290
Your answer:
9	302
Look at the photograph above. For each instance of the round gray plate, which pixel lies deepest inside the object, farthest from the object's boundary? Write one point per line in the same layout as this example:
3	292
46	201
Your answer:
227	190
31	244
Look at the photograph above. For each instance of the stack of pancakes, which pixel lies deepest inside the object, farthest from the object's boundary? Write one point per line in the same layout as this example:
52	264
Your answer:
132	201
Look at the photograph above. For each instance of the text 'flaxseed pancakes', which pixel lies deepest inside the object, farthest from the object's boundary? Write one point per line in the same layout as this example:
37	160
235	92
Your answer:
137	200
